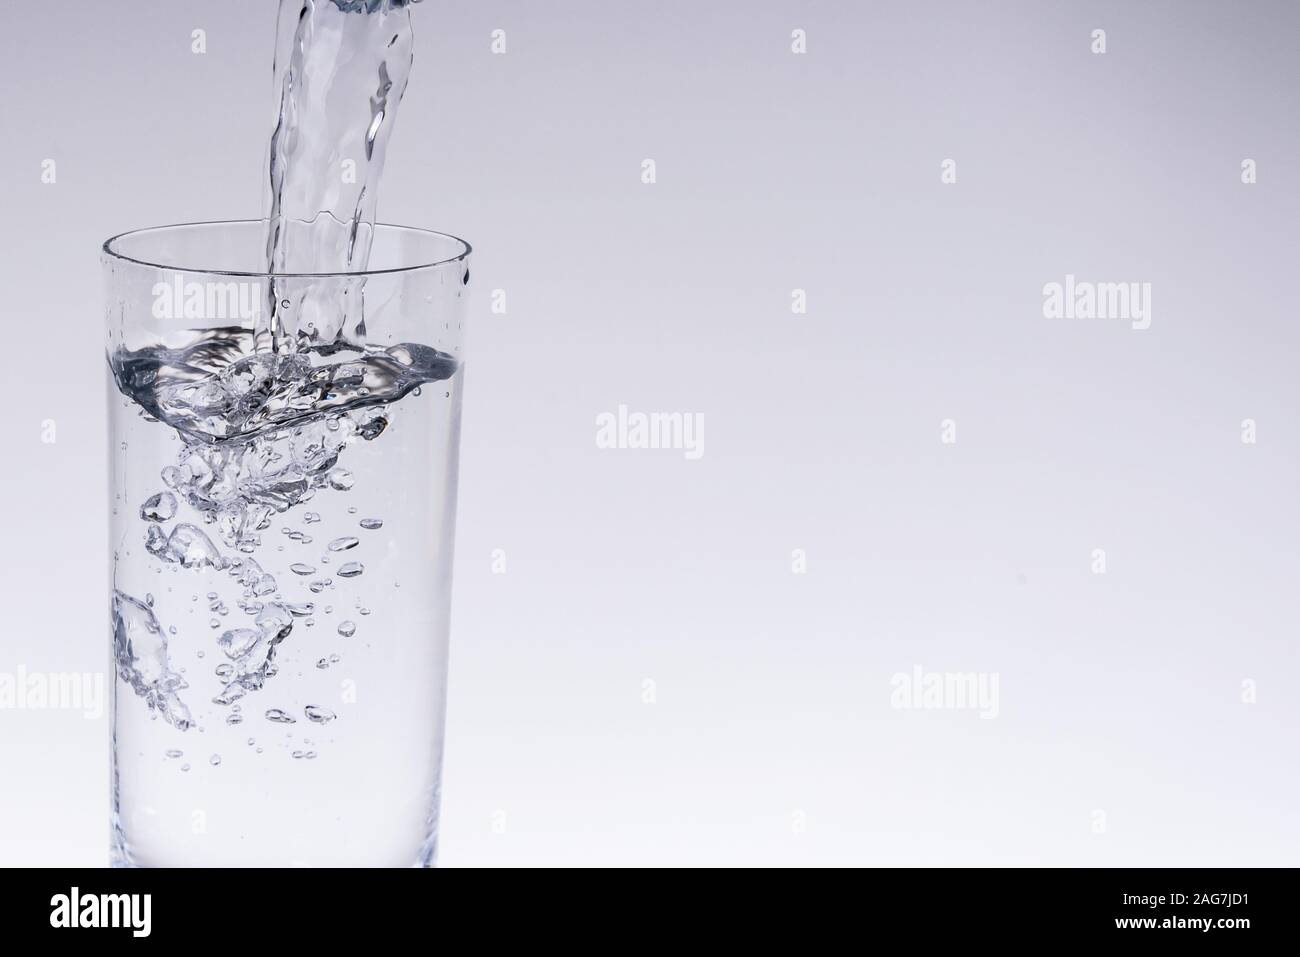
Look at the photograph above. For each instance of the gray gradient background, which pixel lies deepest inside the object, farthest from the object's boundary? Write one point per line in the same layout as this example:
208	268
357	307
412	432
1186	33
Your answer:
1119	692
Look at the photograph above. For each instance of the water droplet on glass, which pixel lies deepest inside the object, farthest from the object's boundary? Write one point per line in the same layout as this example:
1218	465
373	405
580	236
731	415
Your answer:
298	568
237	642
159	508
351	570
347	628
279	716
318	714
190	547
214	760
343	544
373	427
340	479
371	523
155	541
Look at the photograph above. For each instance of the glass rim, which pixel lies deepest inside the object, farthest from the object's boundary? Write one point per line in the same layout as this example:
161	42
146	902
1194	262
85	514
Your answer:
116	254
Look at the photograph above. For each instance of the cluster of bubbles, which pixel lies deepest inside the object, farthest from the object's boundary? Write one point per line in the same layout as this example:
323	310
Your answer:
259	438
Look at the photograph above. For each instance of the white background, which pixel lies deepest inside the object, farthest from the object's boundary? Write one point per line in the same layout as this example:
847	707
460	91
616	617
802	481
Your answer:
771	739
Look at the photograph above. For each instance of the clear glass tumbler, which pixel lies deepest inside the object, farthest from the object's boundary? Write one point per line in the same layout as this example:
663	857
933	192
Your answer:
283	493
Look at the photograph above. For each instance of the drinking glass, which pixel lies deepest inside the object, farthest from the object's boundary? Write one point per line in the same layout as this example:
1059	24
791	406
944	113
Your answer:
283	467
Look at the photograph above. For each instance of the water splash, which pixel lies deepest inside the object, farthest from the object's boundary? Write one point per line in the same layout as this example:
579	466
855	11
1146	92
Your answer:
140	650
265	413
